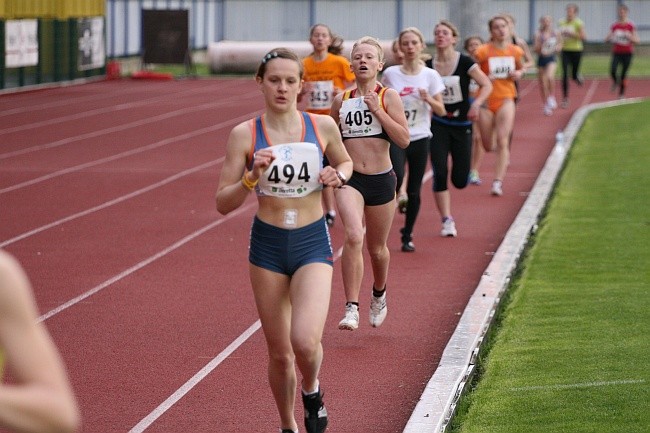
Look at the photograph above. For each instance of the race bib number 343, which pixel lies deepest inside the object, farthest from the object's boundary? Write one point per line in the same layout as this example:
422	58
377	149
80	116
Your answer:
321	94
501	67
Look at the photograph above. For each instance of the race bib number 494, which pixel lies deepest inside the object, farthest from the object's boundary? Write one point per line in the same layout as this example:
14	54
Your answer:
294	171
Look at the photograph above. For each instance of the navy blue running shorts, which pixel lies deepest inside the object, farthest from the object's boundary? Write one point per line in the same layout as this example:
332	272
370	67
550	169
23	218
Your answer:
285	250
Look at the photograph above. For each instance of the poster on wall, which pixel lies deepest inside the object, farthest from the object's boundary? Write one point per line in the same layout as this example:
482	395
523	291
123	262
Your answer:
21	43
165	36
91	43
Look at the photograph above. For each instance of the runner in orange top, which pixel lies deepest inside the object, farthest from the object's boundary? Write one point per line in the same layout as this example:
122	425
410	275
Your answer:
327	73
502	61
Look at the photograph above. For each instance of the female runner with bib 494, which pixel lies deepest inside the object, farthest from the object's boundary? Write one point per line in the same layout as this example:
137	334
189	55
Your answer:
280	156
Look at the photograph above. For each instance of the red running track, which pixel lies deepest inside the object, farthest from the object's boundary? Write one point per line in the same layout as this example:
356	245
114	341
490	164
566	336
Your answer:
106	197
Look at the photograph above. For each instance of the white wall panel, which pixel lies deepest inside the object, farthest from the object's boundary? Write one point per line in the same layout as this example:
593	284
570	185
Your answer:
290	20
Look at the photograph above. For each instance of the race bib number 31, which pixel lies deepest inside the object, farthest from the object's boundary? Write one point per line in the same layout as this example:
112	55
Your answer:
453	93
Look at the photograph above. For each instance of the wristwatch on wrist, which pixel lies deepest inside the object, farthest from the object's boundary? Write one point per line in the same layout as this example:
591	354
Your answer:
342	178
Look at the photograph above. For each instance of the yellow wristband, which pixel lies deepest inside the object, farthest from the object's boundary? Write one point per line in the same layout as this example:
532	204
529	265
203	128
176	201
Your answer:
248	184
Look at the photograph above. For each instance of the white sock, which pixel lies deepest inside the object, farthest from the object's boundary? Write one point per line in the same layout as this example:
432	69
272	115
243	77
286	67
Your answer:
311	392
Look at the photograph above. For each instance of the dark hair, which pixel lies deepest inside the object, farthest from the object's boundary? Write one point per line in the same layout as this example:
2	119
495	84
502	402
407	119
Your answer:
495	18
279	53
454	30
336	47
470	38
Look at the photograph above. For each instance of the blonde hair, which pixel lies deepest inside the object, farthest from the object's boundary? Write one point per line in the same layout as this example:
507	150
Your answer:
369	40
413	30
418	33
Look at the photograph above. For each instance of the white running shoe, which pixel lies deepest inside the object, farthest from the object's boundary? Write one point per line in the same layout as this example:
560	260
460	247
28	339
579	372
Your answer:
448	228
474	178
351	320
402	202
551	102
497	188
548	111
378	310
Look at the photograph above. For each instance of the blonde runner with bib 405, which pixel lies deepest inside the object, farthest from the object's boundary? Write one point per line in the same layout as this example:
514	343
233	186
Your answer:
368	115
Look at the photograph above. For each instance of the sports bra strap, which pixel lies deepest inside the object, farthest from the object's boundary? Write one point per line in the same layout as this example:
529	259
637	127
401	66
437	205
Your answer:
380	89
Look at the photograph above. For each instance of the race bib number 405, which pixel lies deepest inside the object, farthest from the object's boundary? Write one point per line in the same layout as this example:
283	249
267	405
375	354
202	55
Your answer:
357	120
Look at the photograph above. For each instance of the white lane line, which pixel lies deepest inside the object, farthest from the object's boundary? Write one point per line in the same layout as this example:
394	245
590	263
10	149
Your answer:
75	102
131	152
144	263
198	377
579	385
111	202
589	96
101	95
527	88
125	126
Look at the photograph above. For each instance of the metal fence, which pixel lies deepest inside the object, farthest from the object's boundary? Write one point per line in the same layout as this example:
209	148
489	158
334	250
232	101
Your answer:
78	38
290	20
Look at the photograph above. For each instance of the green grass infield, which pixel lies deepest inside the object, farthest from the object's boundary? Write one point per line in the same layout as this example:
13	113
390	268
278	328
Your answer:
570	348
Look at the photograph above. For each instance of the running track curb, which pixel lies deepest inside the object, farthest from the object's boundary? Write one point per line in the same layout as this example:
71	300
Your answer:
438	402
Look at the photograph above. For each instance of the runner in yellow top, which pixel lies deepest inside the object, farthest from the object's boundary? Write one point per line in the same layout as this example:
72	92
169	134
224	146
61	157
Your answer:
502	62
573	34
327	73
